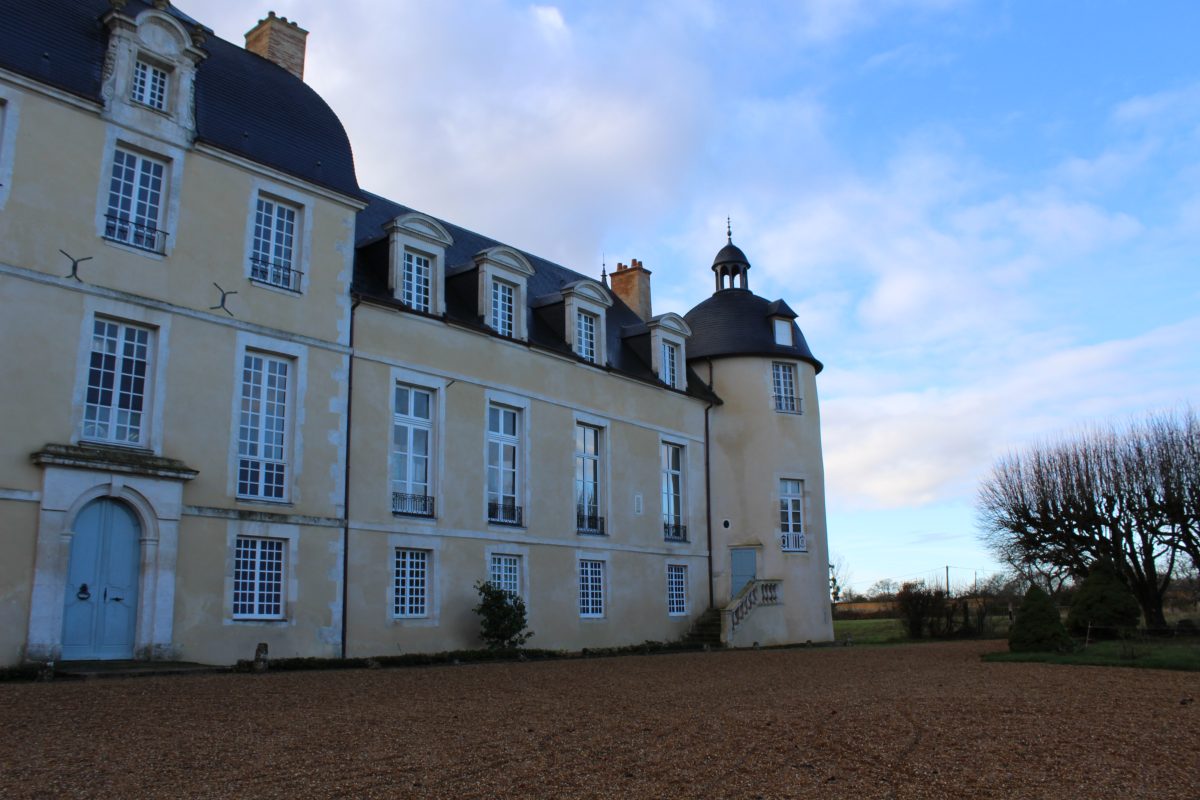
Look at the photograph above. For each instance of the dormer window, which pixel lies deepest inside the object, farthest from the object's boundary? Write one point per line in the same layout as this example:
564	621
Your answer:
416	294
585	336
670	364
501	320
783	332
417	273
668	334
503	277
149	85
584	303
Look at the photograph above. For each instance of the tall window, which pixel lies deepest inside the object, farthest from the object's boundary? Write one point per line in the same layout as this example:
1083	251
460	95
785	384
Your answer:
258	578
670	363
791	515
505	573
114	409
587	480
502	307
783	378
410	585
672	492
412	437
262	427
585	336
591	588
676	589
503	465
149	86
273	258
135	195
417	270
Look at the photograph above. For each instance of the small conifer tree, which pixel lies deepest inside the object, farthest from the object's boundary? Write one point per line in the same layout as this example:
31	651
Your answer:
502	617
1037	627
1104	604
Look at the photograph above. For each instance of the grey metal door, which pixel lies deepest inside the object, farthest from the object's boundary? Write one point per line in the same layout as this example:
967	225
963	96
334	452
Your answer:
742	564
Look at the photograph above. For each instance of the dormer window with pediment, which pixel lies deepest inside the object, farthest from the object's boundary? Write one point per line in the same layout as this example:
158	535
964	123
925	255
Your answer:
585	303
503	276
668	354
417	262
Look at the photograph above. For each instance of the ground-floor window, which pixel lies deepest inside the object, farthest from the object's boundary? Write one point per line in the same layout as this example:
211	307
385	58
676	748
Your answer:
676	589
258	578
410	583
591	588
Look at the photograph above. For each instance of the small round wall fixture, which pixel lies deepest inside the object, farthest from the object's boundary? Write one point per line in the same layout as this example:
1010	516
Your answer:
725	524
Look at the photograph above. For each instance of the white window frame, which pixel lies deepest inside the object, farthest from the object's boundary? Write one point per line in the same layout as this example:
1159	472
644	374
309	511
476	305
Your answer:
586	326
670	363
669	329
435	585
679	520
412	503
258	544
504	572
792	528
596	462
784	376
677	589
297	355
136	226
586	297
783	332
503	315
592	585
150	84
290	277
496	513
403	593
275	246
119	387
417	285
167	223
424	236
510	267
289	535
521	552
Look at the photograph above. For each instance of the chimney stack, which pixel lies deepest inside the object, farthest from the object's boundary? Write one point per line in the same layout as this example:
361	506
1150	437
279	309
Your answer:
278	40
632	284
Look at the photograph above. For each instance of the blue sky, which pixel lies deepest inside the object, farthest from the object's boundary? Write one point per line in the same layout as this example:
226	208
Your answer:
987	214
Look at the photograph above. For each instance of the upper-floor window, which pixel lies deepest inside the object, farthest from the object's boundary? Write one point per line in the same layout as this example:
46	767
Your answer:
504	572
670	363
783	332
149	85
677	589
273	255
135	201
783	379
504	465
416	289
502	307
791	515
410	583
585	336
117	386
263	435
674	527
258	578
412	440
587	479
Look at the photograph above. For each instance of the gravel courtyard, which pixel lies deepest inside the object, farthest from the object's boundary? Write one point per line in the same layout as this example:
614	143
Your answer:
909	721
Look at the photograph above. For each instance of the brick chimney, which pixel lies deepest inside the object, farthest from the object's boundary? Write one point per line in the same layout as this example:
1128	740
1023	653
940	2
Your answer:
632	284
278	40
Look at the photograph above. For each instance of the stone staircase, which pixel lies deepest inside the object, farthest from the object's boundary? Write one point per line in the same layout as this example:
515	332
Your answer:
706	630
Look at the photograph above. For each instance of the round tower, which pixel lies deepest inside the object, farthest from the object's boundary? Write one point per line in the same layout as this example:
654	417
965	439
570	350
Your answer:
770	557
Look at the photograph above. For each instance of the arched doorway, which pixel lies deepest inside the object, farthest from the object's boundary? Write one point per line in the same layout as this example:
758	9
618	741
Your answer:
100	611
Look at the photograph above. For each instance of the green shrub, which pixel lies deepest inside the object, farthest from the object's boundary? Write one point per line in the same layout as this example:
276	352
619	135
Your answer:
501	617
1104	603
1037	627
922	609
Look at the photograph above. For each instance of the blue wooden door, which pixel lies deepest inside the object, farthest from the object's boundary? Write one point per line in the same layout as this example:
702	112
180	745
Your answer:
100	615
741	568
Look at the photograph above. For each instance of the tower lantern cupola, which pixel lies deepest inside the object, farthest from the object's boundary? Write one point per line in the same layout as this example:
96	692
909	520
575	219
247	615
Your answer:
730	266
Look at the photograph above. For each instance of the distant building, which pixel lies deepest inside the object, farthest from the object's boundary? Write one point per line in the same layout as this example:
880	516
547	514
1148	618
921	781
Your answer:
245	401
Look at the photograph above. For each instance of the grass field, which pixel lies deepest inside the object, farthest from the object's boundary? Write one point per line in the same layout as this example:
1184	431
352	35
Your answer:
1179	654
869	631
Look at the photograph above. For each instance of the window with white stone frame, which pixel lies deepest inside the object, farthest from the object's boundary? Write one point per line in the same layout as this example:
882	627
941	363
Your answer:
588	443
116	403
150	85
791	516
258	578
136	199
784	383
502	276
504	486
677	591
674	524
263	426
412	450
274	249
411	582
503	294
504	572
670	363
591	588
585	336
417	275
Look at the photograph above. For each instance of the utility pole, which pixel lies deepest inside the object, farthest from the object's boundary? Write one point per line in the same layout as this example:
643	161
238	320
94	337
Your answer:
947	580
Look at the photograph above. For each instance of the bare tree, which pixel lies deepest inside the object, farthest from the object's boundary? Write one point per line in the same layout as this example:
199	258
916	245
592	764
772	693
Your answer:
1128	496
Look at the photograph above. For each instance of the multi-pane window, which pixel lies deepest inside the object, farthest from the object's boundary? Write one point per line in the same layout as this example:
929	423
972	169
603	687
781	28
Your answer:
273	253
670	363
412	437
502	307
149	85
503	465
262	427
676	589
115	406
410	586
587	480
504	572
258	578
672	492
791	515
417	271
585	336
783	379
591	588
135	195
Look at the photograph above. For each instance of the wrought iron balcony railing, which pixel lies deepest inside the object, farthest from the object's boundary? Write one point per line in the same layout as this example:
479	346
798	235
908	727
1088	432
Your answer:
275	273
788	403
674	531
134	234
589	521
793	542
413	505
505	514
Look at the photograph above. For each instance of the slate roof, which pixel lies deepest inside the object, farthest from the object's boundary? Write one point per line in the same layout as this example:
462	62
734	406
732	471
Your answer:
245	104
737	322
627	354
